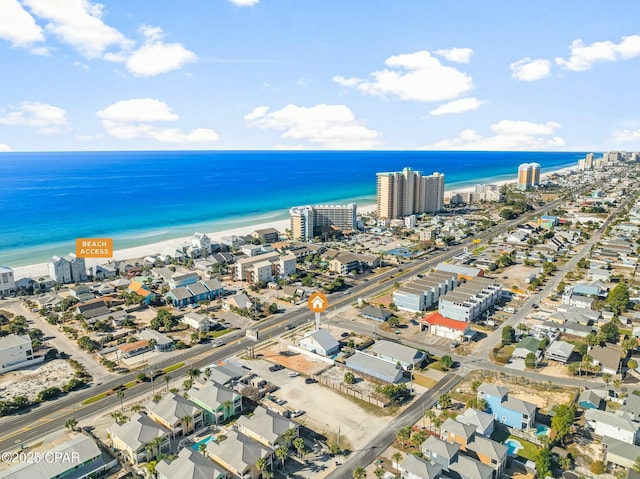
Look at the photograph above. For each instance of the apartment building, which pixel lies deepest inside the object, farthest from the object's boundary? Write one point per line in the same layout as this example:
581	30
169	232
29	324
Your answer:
265	267
528	175
16	352
307	222
417	296
7	281
470	300
400	194
69	269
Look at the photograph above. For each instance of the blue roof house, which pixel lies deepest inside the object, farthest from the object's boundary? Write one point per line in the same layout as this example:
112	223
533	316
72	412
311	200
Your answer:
511	412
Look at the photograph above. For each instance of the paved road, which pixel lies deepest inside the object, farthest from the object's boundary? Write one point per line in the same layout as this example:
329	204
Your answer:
411	415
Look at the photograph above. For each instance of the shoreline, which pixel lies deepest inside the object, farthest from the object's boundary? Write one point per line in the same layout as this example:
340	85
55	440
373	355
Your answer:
141	251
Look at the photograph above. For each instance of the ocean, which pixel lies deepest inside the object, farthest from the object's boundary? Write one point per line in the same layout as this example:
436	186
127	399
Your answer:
49	199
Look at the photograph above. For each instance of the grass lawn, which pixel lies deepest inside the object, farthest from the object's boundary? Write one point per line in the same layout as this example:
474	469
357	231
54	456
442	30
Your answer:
424	381
217	334
94	398
172	368
529	450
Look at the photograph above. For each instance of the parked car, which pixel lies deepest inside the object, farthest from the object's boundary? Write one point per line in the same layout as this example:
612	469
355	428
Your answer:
297	412
309	381
344	335
294	374
276	367
413	321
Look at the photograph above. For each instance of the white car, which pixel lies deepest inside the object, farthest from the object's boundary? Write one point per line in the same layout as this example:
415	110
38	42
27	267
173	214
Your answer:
217	344
293	374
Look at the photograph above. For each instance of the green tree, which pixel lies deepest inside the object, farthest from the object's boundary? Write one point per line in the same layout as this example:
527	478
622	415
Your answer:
359	473
261	464
446	361
273	308
417	438
629	344
598	467
543	462
403	435
71	424
610	332
531	361
563	417
636	465
618	298
393	322
282	453
298	443
508	335
632	364
444	400
397	457
349	377
120	395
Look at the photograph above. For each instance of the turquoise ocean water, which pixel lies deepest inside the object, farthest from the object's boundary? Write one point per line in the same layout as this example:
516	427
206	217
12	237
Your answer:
49	199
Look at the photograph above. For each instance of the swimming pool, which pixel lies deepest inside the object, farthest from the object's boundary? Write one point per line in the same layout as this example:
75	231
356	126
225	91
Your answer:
404	252
542	430
513	446
204	441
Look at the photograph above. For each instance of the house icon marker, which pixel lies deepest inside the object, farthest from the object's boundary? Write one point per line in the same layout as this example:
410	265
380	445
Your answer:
317	302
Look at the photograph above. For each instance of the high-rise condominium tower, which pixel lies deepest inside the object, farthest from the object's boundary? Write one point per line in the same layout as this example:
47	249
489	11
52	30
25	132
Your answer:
528	175
407	192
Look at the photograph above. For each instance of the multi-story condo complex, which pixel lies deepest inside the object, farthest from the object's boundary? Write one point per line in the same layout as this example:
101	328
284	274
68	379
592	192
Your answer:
408	192
528	175
263	268
419	295
69	269
469	300
7	281
309	221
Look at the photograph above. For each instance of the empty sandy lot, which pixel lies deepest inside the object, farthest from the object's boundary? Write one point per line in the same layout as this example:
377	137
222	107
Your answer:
30	381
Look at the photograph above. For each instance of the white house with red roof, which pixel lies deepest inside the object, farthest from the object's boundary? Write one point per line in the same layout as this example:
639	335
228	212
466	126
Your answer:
438	325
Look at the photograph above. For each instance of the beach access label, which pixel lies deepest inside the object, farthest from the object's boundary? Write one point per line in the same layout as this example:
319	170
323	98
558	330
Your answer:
94	247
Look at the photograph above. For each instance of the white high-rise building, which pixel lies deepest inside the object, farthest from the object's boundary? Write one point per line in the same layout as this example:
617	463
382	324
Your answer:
307	221
408	192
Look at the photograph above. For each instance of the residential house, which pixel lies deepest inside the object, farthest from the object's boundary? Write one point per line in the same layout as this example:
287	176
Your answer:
77	458
574	315
396	353
199	292
482	421
344	263
576	329
590	399
60	270
448	328
470	300
238	454
375	367
240	301
77	268
227	373
620	453
7	281
375	314
161	342
129	350
414	467
197	321
175	413
489	453
619	425
525	346
577	301
133	436
190	465
591	289
266	235
16	352
466	467
218	401
180	278
442	453
201	242
93	309
632	406
142	290
559	351
607	357
215	287
466	272
268	427
179	297
506	410
458	432
320	342
104	271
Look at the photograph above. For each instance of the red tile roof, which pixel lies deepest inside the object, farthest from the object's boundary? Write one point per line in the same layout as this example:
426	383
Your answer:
439	320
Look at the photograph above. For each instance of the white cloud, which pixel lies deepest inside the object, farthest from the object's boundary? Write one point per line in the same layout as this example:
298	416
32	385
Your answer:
584	56
459	55
245	3
137	118
17	25
626	135
508	135
79	23
330	126
415	77
156	57
458	106
530	70
48	119
4	148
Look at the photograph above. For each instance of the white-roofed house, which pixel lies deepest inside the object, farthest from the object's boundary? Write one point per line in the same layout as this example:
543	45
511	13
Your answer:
176	413
483	422
238	454
268	427
320	342
190	465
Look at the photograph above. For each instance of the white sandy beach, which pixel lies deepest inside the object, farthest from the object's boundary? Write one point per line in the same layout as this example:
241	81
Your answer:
40	269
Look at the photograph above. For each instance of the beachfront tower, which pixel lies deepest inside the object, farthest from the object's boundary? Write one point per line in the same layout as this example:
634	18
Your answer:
307	222
528	175
408	192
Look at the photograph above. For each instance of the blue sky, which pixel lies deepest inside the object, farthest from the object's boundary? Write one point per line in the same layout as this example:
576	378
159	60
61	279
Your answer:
330	74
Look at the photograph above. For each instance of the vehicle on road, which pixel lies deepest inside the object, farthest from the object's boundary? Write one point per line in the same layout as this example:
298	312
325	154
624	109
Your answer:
217	344
294	374
309	381
289	327
276	367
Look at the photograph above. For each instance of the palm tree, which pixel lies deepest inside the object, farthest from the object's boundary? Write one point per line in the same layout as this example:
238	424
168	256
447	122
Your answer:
202	447
298	443
154	446
403	434
186	422
359	473
136	408
378	472
289	435
151	468
397	457
71	424
120	396
430	415
445	401
207	372
282	453
261	464
228	408
193	373
267	474
167	378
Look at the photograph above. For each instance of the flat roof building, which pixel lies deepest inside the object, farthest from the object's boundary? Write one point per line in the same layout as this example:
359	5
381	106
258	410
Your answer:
408	192
308	221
